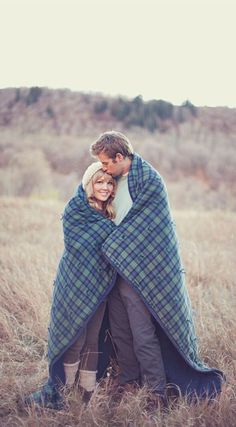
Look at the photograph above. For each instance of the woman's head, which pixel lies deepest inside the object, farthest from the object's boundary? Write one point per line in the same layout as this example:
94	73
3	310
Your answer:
100	189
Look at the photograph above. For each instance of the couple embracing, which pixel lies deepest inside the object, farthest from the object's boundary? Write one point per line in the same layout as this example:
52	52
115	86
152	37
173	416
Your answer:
121	267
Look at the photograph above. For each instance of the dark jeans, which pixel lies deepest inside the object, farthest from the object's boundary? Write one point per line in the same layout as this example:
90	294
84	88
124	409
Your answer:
85	348
138	348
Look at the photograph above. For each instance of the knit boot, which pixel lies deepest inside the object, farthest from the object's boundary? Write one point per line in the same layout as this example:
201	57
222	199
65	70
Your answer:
70	372
87	382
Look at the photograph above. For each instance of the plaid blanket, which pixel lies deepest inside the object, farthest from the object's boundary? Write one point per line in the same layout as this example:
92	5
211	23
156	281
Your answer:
144	250
83	280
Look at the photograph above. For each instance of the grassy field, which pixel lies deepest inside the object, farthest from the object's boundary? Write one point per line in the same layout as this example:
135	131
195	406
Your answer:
31	242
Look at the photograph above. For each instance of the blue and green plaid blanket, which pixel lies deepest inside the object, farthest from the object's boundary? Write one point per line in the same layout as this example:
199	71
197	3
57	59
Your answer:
84	278
144	250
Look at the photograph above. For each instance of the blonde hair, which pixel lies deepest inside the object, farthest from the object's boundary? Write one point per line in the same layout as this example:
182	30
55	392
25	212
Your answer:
107	208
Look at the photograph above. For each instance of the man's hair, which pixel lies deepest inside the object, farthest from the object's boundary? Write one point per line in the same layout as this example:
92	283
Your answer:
111	143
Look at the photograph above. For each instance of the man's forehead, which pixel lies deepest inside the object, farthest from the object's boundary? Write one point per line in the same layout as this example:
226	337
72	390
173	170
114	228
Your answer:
104	158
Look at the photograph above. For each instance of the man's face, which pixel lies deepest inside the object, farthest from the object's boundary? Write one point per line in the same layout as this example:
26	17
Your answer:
114	167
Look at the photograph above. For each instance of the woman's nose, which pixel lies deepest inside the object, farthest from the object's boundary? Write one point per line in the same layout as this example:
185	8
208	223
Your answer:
104	185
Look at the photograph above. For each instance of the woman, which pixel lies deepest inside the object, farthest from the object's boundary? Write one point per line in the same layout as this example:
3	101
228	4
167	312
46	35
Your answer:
79	296
99	188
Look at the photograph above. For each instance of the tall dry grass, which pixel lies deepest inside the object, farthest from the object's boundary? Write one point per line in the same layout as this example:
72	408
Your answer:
30	244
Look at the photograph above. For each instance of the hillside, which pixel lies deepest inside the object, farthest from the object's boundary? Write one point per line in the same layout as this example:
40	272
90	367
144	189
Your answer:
45	136
67	112
30	247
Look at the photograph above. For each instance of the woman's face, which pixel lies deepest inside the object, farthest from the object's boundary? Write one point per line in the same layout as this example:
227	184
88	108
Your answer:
103	187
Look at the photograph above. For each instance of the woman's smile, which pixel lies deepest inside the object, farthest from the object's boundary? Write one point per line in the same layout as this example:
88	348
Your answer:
103	188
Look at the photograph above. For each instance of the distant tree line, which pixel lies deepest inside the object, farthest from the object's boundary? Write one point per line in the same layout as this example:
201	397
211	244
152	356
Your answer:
32	96
152	115
149	115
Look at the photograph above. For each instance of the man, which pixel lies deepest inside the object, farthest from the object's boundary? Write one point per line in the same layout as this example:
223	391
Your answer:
133	331
150	313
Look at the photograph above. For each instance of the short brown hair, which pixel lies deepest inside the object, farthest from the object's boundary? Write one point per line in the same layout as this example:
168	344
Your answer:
111	143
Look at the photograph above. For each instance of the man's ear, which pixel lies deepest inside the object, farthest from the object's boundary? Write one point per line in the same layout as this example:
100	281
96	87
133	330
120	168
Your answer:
119	157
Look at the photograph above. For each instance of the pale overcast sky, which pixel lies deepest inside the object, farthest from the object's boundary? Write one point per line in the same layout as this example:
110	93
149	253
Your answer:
163	49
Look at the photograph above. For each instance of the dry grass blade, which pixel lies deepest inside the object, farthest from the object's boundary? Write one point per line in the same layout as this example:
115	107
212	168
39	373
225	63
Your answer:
30	246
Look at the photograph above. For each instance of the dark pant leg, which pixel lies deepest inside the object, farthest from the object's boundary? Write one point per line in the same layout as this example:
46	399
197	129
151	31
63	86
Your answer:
85	348
145	341
72	354
89	352
122	337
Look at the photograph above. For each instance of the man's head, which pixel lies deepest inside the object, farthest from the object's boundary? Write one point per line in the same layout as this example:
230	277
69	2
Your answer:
114	151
